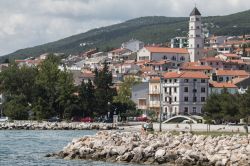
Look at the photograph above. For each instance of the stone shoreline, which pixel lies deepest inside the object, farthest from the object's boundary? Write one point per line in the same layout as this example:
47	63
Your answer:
159	148
55	126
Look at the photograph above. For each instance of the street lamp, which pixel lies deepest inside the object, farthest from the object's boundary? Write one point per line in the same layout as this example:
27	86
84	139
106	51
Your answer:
160	125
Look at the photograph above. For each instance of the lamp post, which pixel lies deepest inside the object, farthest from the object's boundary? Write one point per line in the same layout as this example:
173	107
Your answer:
160	125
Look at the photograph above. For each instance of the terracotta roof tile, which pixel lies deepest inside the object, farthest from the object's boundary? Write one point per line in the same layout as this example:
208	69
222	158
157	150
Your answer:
196	67
161	62
232	55
167	50
210	59
240	73
222	85
186	74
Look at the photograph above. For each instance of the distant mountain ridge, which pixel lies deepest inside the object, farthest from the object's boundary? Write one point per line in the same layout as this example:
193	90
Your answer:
155	29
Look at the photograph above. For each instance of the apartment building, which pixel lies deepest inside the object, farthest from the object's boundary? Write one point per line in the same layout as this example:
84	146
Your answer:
184	92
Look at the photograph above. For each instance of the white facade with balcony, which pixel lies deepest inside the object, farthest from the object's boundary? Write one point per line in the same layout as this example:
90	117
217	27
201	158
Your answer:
154	95
184	95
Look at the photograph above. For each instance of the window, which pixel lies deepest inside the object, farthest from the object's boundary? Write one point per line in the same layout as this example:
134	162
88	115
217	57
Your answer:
202	63
203	90
203	80
182	58
170	81
186	80
194	90
173	58
197	19
175	99
170	100
185	110
194	109
175	89
198	45
185	98
198	27
203	99
194	99
195	80
166	99
165	90
175	80
185	89
211	63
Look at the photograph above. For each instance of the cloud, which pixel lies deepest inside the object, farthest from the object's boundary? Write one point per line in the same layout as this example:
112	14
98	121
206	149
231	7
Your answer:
26	23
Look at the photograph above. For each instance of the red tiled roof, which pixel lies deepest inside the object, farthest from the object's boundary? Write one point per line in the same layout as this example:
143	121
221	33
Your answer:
146	69
161	62
167	50
155	79
238	61
201	67
222	85
210	59
29	61
232	73
231	55
186	74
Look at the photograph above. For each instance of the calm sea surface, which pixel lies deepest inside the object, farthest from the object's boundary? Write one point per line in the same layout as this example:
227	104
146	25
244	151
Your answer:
28	148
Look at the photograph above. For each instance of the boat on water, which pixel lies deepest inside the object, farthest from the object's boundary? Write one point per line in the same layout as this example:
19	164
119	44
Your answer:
4	119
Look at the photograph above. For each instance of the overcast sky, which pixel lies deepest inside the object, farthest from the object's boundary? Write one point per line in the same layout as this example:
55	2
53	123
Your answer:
26	23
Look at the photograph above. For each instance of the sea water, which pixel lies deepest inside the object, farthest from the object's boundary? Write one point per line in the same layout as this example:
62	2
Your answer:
28	148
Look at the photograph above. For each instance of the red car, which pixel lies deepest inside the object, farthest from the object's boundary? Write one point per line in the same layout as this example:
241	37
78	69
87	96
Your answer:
87	119
141	119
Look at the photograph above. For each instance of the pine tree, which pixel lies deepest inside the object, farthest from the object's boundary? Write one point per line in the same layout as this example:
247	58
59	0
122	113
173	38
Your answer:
104	92
87	98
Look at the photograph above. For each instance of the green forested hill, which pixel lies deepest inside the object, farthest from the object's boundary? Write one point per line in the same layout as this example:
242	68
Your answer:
148	29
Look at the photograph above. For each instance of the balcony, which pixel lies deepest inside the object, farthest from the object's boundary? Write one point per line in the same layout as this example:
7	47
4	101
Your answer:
154	104
142	107
154	92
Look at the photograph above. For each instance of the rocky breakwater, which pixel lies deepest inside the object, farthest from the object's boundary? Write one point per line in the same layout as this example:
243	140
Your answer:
55	126
167	149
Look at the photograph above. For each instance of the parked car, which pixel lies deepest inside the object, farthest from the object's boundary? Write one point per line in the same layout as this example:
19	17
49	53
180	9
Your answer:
54	119
87	119
4	119
141	119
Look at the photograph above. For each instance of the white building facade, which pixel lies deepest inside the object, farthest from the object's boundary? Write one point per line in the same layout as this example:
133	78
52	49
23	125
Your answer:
184	93
195	38
133	45
176	55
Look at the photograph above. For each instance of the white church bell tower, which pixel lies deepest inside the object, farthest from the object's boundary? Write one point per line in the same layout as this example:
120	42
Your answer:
195	38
